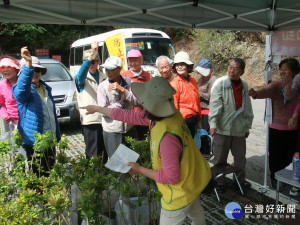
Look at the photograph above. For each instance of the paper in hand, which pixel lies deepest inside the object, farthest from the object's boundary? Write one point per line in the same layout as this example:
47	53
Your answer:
123	155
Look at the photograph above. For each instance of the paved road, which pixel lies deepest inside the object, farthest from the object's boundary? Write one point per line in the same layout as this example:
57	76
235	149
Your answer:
214	209
256	143
256	147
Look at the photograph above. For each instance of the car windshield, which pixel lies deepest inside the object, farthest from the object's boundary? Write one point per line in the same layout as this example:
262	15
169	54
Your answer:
151	48
55	72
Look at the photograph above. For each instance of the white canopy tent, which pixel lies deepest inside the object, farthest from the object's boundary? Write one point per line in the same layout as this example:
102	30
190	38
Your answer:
254	15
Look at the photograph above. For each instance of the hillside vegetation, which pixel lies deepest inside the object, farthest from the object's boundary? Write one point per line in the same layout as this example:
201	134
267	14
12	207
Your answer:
218	46
221	46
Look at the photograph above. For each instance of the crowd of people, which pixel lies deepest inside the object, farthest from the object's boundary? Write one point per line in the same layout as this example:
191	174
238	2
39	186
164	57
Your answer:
170	107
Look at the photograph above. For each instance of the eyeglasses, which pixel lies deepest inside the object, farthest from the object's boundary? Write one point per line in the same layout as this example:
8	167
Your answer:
236	69
37	69
180	65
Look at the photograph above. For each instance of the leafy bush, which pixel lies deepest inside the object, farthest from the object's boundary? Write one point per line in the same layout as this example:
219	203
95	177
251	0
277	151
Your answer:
26	198
217	46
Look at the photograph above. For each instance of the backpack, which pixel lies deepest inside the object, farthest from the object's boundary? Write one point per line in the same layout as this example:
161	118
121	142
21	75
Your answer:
203	141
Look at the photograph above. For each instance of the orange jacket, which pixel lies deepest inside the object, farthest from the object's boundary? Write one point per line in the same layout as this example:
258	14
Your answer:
186	99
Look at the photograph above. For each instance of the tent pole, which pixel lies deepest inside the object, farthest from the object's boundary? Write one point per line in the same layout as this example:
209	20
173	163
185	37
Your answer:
268	59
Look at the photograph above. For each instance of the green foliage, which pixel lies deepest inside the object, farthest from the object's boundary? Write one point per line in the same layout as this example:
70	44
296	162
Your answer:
57	38
26	198
44	141
218	46
178	34
5	147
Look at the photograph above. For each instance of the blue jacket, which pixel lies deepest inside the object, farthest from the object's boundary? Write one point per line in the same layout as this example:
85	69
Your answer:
30	107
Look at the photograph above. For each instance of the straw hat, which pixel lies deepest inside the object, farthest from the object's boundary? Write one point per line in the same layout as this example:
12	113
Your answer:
156	96
183	57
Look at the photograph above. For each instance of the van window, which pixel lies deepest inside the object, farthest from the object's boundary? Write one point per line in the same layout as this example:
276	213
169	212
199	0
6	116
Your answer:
78	55
151	48
105	53
71	61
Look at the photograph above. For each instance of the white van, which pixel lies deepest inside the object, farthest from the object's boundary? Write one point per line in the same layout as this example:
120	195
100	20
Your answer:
151	43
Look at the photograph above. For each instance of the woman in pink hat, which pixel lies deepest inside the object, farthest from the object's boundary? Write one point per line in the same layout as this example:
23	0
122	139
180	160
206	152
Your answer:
9	67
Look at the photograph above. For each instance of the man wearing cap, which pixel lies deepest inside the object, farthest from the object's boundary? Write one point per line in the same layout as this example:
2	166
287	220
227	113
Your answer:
135	71
231	117
164	67
205	82
87	81
115	92
137	74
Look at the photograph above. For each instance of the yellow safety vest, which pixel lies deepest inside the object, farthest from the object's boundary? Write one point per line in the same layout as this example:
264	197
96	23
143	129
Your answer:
194	170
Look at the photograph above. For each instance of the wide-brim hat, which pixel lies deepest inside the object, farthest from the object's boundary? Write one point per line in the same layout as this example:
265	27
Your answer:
112	63
9	62
182	57
35	64
156	96
204	67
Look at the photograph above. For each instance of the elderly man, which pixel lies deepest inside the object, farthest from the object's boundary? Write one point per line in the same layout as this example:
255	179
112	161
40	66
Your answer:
87	81
163	64
137	74
230	117
115	92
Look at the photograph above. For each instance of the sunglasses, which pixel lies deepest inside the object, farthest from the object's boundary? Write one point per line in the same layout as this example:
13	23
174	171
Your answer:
37	70
93	62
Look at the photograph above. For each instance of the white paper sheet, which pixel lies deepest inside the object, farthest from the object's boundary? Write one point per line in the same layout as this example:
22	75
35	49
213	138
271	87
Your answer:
123	155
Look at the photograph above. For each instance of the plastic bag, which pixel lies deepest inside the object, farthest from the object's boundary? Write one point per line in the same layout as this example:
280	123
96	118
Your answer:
8	128
203	141
132	213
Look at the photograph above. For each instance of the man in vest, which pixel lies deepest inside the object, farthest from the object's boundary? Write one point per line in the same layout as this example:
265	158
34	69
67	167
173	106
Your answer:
87	81
137	74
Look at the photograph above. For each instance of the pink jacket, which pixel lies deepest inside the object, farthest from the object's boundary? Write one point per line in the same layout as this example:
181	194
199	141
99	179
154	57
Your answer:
9	105
170	147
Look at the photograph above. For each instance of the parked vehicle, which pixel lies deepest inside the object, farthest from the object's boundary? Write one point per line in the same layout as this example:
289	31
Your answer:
63	87
151	43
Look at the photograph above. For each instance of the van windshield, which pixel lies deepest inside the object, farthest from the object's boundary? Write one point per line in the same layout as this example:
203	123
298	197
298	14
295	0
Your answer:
151	48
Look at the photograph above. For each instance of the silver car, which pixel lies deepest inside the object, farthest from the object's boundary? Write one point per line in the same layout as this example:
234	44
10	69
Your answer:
63	87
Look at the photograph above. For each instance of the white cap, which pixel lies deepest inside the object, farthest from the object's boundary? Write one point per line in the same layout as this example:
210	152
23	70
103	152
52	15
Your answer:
112	63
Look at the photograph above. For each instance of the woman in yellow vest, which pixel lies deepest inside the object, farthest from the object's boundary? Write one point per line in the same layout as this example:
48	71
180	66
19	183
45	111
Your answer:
178	168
